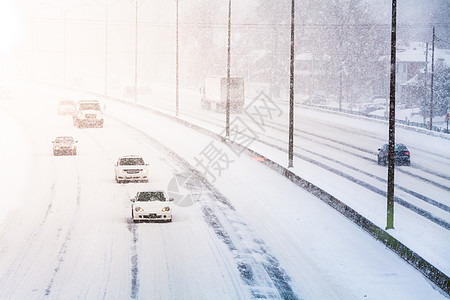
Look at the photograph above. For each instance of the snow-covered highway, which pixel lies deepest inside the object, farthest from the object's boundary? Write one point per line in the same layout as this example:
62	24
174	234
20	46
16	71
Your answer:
250	233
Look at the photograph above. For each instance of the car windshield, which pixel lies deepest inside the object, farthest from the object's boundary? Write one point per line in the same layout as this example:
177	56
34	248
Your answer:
131	161
151	196
89	106
400	147
64	139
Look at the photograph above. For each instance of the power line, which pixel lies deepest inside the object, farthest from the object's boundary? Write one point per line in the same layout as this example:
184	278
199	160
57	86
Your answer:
271	25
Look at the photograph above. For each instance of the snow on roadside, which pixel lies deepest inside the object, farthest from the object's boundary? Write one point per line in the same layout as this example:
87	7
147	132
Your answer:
15	155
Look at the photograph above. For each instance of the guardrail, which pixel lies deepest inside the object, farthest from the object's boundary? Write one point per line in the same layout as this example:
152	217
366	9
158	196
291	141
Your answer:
415	126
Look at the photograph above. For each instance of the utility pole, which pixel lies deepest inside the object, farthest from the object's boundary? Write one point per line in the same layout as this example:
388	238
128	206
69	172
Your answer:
432	82
390	187
227	109
291	92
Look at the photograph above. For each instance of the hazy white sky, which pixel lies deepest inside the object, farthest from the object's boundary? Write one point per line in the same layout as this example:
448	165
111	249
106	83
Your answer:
9	25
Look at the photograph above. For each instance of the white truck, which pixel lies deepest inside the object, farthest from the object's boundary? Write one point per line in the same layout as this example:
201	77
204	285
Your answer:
88	113
214	93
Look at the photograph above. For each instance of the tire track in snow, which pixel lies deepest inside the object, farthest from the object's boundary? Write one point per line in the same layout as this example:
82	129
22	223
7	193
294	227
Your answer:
134	260
64	246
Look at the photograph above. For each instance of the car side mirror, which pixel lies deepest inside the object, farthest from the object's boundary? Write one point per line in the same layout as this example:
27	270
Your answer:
132	200
379	149
171	199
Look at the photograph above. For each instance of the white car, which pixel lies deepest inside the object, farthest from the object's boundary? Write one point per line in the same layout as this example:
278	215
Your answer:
88	113
131	168
151	205
64	145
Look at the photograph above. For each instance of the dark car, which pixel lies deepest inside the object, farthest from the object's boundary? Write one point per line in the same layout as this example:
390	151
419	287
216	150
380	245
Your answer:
64	145
401	157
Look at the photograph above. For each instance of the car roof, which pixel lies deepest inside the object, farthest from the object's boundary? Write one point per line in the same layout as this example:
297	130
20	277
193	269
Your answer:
84	101
152	191
131	156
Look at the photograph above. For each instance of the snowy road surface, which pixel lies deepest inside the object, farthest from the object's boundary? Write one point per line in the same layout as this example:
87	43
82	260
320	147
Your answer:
250	234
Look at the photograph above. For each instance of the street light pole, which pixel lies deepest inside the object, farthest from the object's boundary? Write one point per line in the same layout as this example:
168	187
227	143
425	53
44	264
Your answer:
136	55
177	67
391	156
136	4
432	82
227	126
106	6
64	46
106	50
291	92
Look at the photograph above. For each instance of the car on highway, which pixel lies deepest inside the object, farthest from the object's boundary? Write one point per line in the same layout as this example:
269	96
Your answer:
88	113
151	205
402	155
66	107
64	145
131	168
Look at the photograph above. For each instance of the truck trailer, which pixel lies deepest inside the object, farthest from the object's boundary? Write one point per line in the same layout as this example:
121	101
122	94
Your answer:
214	93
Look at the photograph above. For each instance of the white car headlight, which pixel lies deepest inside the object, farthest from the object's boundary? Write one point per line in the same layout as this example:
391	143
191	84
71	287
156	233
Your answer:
167	208
138	209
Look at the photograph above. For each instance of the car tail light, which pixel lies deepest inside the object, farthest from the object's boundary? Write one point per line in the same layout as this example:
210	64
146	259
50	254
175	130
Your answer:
406	152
